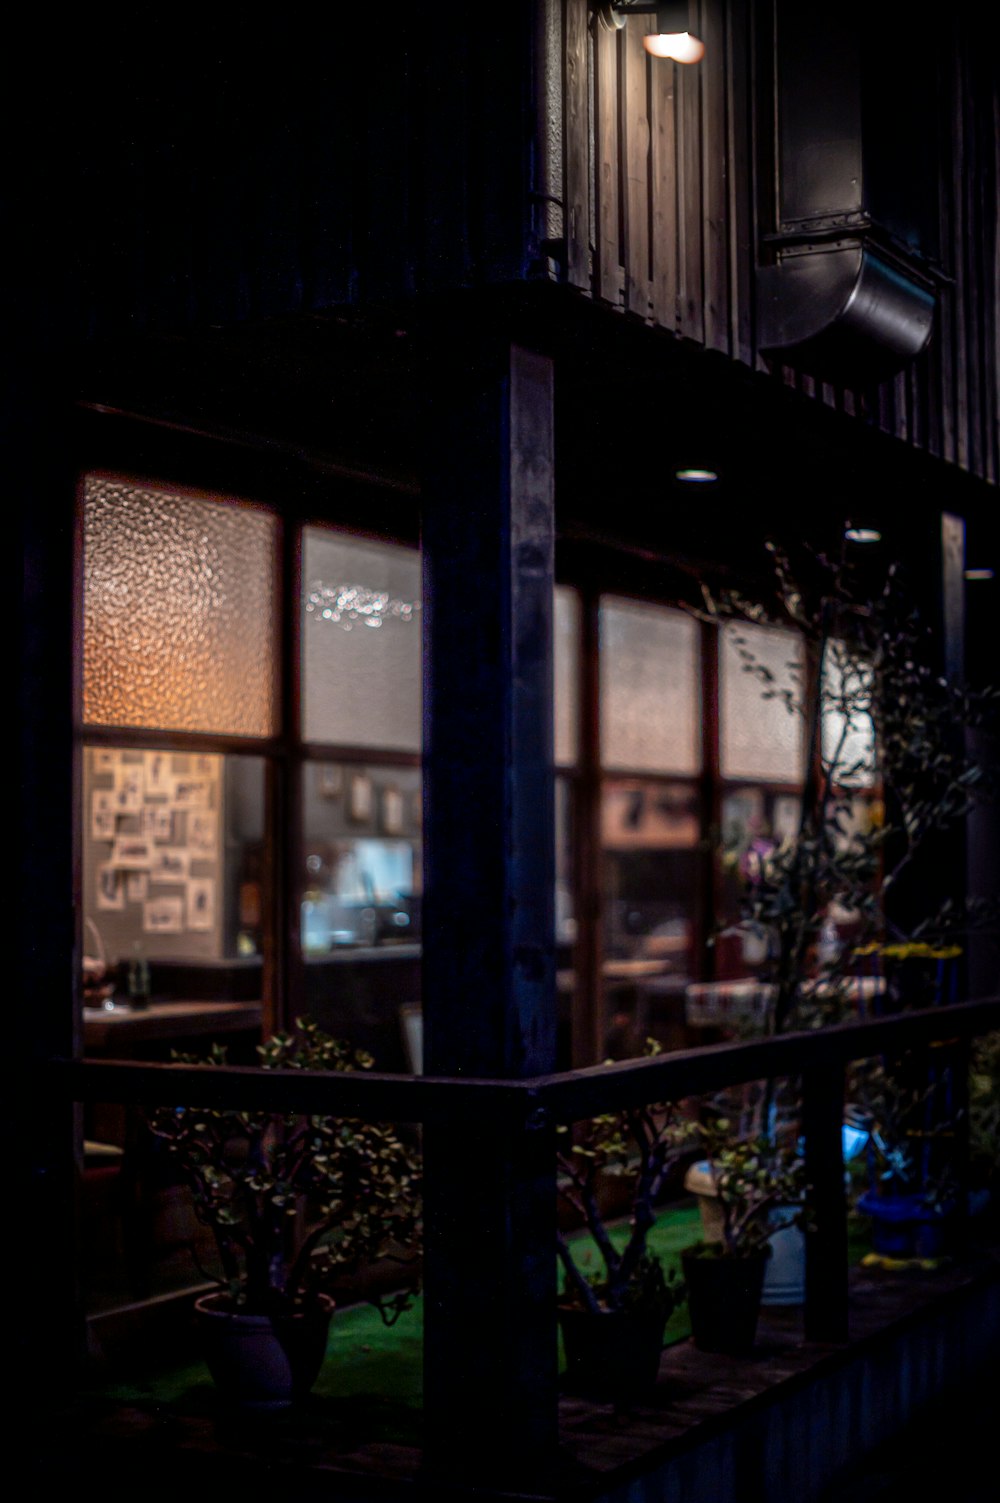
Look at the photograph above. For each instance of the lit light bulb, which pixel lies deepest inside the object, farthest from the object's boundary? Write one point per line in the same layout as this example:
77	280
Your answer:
679	45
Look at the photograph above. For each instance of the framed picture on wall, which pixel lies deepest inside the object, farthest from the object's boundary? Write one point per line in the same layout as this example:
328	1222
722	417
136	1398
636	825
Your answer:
102	814
329	780
170	864
203	831
360	798
201	903
163	916
392	811
110	888
159	778
133	852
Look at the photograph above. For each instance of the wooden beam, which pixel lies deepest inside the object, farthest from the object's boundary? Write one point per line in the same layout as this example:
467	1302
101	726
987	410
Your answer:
489	877
826	1240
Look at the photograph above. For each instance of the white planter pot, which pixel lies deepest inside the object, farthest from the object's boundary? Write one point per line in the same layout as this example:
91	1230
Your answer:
785	1279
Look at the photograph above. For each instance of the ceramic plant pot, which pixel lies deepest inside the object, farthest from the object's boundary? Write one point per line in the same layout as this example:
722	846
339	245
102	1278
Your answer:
262	1362
724	1294
785	1277
614	1354
903	1226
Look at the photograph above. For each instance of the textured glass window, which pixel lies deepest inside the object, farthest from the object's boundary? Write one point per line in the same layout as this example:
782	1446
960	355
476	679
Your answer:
650	683
761	671
361	642
567	676
179	628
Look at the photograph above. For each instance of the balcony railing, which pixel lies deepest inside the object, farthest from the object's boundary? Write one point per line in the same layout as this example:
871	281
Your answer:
491	1379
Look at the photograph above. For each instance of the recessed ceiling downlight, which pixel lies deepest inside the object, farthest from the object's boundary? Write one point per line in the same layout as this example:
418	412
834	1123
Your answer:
697	477
862	535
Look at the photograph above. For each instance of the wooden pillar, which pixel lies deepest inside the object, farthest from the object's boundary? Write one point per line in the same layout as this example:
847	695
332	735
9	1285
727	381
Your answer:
46	936
826	1240
490	1360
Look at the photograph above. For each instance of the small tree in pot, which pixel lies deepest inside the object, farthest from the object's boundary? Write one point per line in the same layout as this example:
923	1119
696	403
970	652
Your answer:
759	1187
613	1320
295	1203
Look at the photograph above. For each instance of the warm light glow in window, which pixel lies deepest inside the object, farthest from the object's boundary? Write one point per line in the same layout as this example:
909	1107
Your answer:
179	624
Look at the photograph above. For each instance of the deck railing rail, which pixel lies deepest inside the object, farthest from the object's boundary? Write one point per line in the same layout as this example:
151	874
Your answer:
468	1400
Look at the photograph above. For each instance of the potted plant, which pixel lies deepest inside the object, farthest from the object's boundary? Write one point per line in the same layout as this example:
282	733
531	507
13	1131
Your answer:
909	1192
889	772
613	1319
295	1204
757	1190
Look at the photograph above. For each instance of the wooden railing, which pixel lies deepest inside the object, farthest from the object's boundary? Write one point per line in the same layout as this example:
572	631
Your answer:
493	1313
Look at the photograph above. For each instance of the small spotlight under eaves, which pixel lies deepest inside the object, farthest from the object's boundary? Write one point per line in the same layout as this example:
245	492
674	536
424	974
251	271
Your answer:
862	535
697	477
979	573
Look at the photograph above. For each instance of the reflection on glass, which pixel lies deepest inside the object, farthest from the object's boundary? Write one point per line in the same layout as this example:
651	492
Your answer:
650	837
173	898
362	884
567	676
360	642
848	741
565	917
761	723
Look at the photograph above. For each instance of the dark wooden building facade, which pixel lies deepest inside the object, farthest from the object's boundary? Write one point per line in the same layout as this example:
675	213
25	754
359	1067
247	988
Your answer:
485	283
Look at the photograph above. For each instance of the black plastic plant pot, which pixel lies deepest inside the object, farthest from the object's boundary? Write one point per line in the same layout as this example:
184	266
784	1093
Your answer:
724	1293
611	1355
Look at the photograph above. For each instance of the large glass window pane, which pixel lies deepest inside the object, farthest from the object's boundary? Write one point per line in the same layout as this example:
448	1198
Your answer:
848	742
361	642
361	903
761	724
173	885
567	676
755	822
650	689
179	628
650	839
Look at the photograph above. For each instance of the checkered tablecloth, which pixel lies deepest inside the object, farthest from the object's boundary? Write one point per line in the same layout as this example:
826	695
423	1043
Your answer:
714	1004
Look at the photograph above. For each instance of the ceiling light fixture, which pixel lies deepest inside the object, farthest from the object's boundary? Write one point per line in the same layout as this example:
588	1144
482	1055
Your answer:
698	477
862	534
672	37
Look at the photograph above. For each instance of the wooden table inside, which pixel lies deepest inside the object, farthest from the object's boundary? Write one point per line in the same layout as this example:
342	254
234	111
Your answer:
107	1028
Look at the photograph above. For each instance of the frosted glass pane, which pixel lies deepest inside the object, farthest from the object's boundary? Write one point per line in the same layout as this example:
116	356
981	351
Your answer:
650	682
848	744
760	736
360	643
567	676
179	629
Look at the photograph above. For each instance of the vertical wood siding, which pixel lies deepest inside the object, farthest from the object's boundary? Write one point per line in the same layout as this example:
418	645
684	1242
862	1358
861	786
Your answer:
172	189
673	179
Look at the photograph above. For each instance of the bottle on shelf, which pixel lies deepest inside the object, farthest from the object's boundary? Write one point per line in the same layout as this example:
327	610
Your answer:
138	978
